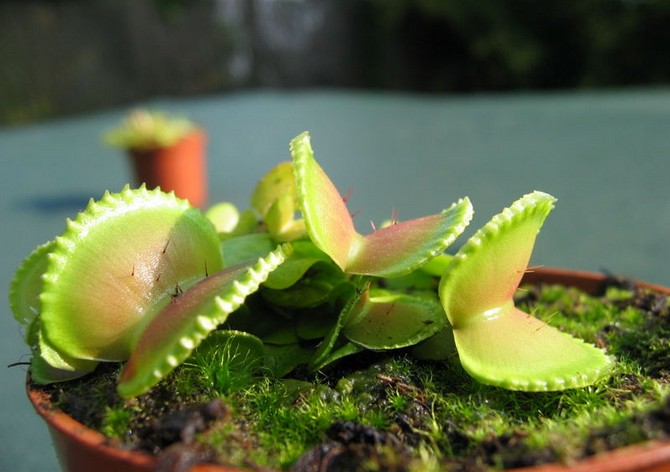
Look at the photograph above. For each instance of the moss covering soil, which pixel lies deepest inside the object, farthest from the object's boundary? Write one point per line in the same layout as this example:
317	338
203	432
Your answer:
382	412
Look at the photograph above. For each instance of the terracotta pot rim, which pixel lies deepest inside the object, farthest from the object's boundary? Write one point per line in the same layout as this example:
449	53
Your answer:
86	438
67	425
647	456
592	281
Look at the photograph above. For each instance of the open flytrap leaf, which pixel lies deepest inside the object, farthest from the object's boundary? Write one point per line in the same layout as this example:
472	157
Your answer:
180	328
116	266
393	320
25	290
24	301
388	252
378	320
497	343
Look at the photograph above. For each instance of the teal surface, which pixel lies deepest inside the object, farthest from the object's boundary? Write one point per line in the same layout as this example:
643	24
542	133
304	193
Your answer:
605	156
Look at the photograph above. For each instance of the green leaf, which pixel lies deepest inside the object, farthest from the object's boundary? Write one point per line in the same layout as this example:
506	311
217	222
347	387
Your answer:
277	182
245	248
280	221
247	224
311	290
514	350
356	296
392	321
230	223
118	264
346	349
388	252
257	318
224	216
25	289
304	256
497	343
414	282
284	335
281	360
315	324
440	346
173	334
438	265
274	198
65	368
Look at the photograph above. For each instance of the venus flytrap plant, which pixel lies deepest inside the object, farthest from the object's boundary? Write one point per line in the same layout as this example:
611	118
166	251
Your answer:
144	278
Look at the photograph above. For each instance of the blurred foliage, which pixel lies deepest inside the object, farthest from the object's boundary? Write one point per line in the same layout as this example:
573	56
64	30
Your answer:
460	45
58	55
171	9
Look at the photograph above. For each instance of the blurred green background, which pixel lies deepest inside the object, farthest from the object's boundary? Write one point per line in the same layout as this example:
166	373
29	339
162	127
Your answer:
67	56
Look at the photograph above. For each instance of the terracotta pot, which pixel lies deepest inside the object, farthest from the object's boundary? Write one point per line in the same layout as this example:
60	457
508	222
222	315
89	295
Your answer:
180	168
81	449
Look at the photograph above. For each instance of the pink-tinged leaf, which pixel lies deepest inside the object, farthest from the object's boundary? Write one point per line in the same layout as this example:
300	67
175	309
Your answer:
403	247
497	343
172	335
389	252
486	271
116	266
327	218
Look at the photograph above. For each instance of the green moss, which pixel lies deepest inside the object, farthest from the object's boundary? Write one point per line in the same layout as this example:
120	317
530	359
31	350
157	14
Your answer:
116	423
373	411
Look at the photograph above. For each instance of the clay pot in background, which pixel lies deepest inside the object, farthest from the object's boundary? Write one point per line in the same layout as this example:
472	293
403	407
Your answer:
181	167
